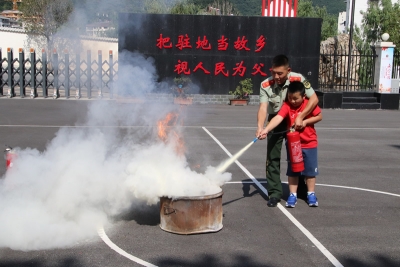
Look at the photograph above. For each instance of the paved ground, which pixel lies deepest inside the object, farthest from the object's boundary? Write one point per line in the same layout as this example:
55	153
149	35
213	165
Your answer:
358	150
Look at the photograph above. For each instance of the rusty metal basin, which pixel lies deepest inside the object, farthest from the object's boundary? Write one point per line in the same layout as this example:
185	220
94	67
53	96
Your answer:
191	215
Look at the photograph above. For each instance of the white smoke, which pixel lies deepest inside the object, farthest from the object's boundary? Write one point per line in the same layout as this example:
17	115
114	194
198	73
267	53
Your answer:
89	173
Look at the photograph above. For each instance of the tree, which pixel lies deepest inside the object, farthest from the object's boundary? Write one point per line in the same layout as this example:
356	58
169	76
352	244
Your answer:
5	5
224	7
333	7
381	16
44	18
248	8
329	22
185	7
155	6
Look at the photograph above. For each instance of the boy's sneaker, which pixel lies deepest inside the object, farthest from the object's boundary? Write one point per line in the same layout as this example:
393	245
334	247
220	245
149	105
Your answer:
292	201
312	200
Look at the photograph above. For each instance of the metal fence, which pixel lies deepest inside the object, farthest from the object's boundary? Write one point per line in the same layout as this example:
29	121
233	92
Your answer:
57	76
396	64
333	68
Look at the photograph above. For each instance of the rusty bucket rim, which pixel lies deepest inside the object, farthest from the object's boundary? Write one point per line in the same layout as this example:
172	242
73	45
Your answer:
220	193
204	231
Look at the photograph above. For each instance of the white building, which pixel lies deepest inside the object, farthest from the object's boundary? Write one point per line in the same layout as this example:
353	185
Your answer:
342	22
98	28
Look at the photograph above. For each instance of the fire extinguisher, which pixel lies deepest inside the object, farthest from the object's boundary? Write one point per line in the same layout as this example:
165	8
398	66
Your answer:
9	156
294	147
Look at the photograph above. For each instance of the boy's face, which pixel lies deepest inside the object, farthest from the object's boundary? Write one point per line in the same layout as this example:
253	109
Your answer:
280	74
295	99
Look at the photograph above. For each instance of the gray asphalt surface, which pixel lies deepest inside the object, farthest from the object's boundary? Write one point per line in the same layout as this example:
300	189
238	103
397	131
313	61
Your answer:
357	148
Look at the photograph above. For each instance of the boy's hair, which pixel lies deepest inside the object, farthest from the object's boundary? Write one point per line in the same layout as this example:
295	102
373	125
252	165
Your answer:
280	60
295	87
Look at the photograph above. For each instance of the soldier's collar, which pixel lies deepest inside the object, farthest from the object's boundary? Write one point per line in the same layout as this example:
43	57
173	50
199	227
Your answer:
283	86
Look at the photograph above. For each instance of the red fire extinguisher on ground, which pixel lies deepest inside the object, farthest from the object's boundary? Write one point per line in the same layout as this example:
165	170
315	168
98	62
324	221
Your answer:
295	153
9	156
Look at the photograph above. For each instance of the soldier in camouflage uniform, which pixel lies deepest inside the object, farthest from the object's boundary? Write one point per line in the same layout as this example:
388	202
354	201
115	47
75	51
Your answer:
272	94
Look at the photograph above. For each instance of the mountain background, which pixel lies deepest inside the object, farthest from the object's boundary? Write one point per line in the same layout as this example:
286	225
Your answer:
253	7
246	7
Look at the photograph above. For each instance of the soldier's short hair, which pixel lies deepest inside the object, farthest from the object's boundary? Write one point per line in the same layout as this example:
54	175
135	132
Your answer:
280	60
295	87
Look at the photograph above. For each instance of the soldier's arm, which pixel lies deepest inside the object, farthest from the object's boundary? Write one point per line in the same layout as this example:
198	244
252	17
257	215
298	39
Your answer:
261	117
262	111
312	103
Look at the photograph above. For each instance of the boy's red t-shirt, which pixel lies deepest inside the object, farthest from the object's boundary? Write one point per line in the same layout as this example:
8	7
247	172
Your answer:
308	136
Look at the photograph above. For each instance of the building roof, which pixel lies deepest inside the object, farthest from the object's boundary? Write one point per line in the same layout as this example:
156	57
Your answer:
99	24
11	11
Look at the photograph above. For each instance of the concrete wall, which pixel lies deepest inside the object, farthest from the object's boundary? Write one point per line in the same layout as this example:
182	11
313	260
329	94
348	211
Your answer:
16	38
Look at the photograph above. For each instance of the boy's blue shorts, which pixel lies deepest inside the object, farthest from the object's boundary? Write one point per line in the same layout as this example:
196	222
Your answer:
310	158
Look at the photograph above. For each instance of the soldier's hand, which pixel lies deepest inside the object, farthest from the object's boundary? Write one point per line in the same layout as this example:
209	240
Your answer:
258	133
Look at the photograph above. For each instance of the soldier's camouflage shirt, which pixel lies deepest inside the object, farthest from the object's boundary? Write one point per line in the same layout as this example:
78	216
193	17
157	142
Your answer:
275	95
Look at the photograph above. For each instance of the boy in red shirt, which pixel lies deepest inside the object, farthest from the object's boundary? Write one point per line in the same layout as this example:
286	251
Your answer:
294	105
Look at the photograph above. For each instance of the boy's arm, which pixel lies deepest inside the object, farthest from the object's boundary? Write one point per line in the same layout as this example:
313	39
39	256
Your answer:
312	120
271	125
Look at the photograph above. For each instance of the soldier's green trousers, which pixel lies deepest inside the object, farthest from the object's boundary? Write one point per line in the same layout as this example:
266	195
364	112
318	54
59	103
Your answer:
273	165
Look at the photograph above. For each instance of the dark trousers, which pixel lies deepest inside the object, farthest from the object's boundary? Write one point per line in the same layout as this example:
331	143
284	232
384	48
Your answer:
273	164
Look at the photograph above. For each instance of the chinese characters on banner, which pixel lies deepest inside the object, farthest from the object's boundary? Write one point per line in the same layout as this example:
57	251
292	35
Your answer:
385	79
219	68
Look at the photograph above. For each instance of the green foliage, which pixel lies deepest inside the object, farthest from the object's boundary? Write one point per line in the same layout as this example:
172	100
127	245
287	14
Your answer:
243	90
332	6
99	10
306	9
253	7
5	5
183	81
182	86
155	7
185	7
247	8
45	17
381	17
201	3
225	8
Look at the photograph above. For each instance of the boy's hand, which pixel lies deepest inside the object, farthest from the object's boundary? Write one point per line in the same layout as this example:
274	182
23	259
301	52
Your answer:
299	123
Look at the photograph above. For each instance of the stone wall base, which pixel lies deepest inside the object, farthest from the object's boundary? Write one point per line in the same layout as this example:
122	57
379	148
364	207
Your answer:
201	99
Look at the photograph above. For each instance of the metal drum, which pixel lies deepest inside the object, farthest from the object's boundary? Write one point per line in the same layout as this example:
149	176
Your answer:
191	215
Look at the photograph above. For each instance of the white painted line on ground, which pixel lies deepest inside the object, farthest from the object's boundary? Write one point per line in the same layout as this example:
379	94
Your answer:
327	185
237	162
319	128
361	189
117	249
307	233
